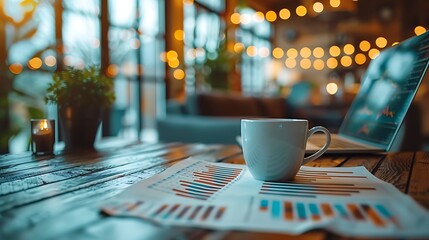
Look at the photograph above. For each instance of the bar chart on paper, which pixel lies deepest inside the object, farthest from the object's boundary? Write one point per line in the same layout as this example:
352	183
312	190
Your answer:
287	211
168	211
198	181
350	201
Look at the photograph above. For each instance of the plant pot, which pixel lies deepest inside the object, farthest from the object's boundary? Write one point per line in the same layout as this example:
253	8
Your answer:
78	126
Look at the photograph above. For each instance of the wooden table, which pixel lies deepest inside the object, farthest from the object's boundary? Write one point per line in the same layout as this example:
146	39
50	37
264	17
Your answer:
58	197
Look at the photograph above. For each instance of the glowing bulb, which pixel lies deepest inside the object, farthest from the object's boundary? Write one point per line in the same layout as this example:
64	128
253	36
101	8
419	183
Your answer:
332	63
15	68
305	52
349	49
178	74
346	61
290	62
301	11
292	53
258	16
364	45
271	16
174	63
381	42
238	47
373	53
50	61
171	55
335	3
179	35
334	51
235	18
318	52
319	64
332	88
112	70
360	58
419	30
35	63
284	14
305	63
278	53
318	7
252	51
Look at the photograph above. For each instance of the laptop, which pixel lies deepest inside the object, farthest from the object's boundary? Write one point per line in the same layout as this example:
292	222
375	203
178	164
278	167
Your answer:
387	90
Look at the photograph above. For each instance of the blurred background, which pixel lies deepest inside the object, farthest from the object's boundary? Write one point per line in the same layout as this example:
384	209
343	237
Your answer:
311	53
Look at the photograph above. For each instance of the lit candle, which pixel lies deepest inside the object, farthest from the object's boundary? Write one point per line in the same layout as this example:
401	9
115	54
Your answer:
42	135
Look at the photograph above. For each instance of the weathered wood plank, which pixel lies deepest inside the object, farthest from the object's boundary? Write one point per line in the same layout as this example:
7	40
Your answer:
328	161
65	208
86	180
419	181
395	169
368	161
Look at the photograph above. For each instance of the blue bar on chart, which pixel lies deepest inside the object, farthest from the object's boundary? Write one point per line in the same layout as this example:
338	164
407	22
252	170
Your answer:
280	210
199	181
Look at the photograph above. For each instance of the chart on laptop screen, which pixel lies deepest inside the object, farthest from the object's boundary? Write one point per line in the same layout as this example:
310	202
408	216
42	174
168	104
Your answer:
387	90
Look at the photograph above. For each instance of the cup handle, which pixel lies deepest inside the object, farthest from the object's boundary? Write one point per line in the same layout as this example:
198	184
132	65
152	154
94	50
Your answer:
323	149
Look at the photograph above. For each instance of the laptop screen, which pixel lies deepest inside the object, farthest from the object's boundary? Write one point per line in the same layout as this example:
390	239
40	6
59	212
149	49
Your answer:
387	90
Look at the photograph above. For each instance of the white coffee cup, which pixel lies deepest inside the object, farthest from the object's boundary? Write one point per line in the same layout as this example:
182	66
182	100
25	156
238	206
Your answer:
274	148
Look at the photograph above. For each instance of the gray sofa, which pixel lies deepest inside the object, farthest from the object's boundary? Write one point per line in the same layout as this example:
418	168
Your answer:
215	117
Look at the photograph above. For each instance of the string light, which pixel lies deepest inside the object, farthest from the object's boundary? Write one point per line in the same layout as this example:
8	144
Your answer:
15	68
319	64
163	56
332	88
258	16
292	53
318	52
35	63
364	45
334	51
271	16
171	55
252	51
305	52
349	49
112	70
290	62
179	35
335	3
50	61
305	63
332	63
360	58
381	42
346	61
278	53
238	47
301	11
373	53
318	7
419	30
179	74
284	14
235	18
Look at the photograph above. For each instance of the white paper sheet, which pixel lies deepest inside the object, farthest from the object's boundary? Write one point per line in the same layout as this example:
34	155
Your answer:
348	201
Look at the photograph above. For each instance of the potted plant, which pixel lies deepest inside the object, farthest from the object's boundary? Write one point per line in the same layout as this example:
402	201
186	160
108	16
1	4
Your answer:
81	96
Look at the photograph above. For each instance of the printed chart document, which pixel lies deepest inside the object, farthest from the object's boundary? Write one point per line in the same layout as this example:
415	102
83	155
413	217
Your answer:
348	201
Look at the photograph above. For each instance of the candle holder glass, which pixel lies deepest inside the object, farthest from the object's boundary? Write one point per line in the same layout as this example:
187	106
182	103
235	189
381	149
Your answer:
42	136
